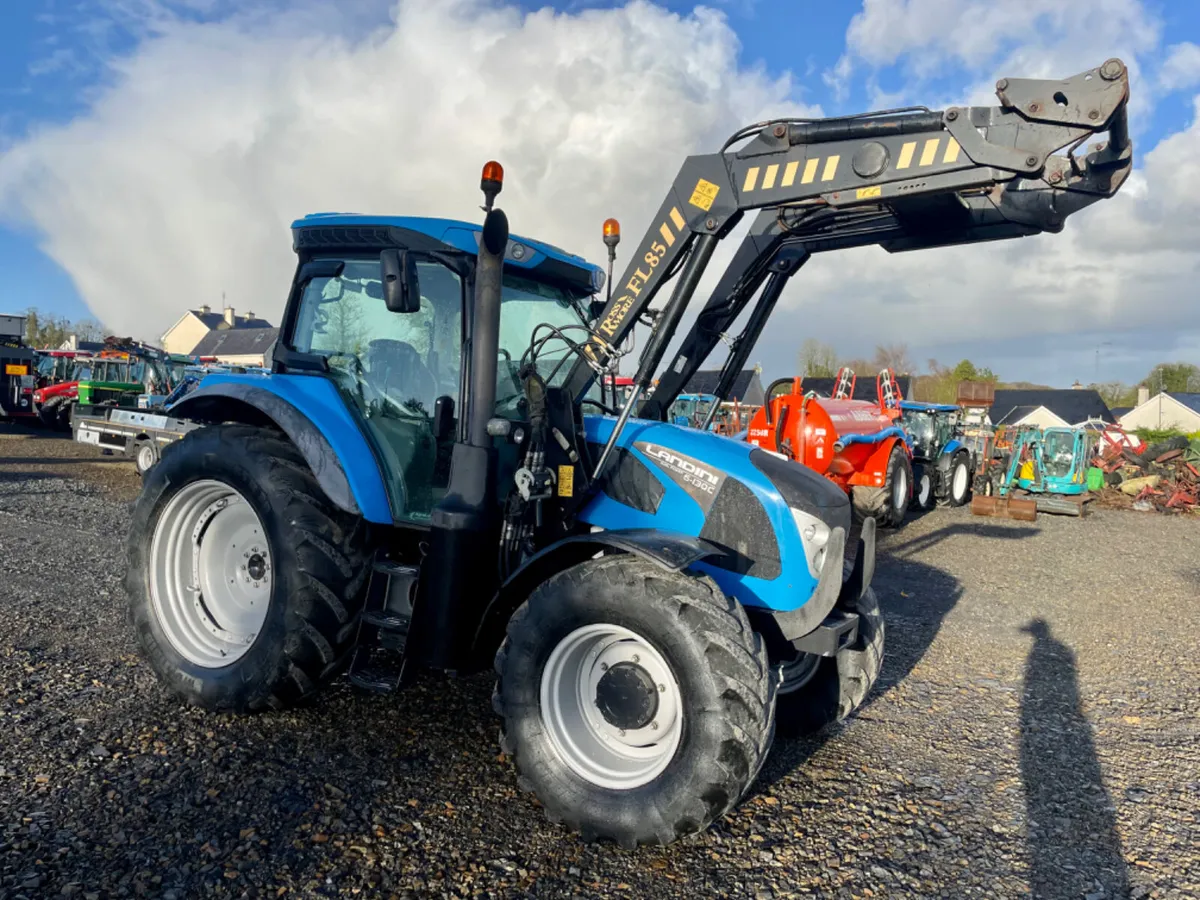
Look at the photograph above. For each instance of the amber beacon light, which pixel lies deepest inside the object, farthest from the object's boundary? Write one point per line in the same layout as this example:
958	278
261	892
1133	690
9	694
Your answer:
491	182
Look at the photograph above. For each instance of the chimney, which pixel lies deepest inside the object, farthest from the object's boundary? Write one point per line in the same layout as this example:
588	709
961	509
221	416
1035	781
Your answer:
230	318
205	309
1077	386
249	317
1143	395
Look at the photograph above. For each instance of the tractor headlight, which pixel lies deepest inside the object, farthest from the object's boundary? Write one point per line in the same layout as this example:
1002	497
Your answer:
814	536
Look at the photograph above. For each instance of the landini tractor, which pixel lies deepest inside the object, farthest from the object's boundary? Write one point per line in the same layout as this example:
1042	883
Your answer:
427	480
943	465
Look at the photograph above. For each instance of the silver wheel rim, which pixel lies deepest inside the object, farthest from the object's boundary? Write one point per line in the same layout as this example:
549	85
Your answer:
960	481
926	488
798	672
145	457
591	746
900	491
210	573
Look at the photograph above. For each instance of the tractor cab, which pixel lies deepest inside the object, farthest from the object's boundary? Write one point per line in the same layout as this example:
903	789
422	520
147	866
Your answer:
691	410
400	373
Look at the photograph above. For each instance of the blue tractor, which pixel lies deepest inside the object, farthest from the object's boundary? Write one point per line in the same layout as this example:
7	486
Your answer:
415	484
943	465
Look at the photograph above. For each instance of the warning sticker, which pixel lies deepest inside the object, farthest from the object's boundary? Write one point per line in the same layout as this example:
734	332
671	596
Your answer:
566	481
16	370
704	194
864	193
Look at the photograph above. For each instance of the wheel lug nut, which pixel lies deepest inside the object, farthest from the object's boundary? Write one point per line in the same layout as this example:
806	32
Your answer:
654	725
636	658
603	667
662	688
622	732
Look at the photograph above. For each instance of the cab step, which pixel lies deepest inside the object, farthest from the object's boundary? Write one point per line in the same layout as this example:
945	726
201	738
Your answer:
378	662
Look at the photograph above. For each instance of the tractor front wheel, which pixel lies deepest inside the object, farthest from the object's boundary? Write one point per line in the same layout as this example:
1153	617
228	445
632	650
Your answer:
958	481
817	691
923	495
886	504
244	580
638	704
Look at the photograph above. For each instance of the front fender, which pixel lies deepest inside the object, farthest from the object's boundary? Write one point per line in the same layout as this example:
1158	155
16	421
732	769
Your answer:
314	417
673	551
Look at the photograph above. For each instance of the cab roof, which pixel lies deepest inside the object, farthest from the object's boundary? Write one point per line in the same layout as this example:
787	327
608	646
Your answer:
331	229
917	406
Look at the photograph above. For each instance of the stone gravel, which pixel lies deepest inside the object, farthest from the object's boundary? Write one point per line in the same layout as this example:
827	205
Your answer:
1034	733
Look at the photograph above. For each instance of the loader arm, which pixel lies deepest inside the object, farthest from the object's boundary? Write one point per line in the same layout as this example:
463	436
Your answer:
904	179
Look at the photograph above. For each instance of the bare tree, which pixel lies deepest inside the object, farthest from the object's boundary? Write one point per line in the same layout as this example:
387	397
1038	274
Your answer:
894	357
817	360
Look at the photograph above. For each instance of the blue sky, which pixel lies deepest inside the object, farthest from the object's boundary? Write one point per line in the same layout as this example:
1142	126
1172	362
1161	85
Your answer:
62	60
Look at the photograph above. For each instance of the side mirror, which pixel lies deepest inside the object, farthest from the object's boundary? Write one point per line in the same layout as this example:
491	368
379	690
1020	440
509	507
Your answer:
595	308
443	417
401	288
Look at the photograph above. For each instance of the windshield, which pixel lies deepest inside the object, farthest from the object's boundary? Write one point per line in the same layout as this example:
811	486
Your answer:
527	306
1058	452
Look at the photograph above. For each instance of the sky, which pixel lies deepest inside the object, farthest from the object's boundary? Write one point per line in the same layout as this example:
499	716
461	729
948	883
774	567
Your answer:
154	152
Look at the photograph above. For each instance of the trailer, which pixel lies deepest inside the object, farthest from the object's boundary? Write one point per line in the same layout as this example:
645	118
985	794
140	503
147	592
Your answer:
139	435
18	369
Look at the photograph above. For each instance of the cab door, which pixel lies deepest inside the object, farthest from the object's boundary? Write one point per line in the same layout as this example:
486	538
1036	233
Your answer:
394	370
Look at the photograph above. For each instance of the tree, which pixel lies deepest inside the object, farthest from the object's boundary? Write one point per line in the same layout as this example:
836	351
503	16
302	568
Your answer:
1173	377
1113	393
817	360
894	357
968	371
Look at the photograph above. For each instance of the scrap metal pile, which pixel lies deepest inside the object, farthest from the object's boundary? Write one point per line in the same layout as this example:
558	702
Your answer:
1164	477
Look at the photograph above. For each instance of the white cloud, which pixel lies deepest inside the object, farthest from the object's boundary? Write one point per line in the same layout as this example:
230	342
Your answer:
1181	69
180	182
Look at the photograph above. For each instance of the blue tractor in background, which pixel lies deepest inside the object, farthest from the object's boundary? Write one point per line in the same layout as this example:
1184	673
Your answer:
943	465
432	476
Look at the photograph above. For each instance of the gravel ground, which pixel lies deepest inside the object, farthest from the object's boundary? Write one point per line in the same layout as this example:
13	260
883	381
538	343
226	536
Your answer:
1034	734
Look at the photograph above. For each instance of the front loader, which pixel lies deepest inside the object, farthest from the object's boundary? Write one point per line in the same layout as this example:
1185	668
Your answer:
429	477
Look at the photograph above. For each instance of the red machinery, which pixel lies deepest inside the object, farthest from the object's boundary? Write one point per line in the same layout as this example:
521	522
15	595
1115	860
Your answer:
854	443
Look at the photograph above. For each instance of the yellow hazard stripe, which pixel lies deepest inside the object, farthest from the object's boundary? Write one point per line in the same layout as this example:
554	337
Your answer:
789	173
810	171
929	151
751	178
906	155
831	165
677	218
951	154
667	236
769	177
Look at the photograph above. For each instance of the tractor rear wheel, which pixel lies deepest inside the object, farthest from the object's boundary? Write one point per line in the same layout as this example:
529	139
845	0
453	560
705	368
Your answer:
958	486
886	504
817	691
244	581
638	704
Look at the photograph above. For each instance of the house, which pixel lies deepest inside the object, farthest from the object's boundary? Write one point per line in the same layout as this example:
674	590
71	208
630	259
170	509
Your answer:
747	388
237	346
1047	407
1168	409
195	324
865	388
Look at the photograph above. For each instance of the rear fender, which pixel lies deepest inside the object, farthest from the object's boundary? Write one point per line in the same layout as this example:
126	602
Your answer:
314	417
872	471
671	551
949	452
